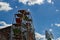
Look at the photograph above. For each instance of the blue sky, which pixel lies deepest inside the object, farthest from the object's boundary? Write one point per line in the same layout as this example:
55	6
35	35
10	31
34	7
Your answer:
45	13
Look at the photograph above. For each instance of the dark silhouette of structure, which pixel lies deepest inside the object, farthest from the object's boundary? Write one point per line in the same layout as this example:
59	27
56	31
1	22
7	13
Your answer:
48	35
5	33
22	28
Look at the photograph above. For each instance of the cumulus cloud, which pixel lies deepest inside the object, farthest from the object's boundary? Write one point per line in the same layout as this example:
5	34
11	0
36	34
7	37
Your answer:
57	10
39	36
33	2
23	1
50	1
50	30
28	9
58	25
4	24
5	6
16	6
51	25
58	38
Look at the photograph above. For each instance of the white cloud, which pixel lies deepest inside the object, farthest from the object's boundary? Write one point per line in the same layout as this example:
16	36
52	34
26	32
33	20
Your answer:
50	1
4	24
33	2
23	1
50	30
58	38
16	6
5	6
51	25
28	9
57	10
39	36
58	25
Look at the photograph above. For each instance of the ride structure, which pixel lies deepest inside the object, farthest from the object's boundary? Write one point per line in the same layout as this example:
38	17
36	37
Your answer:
22	28
48	35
